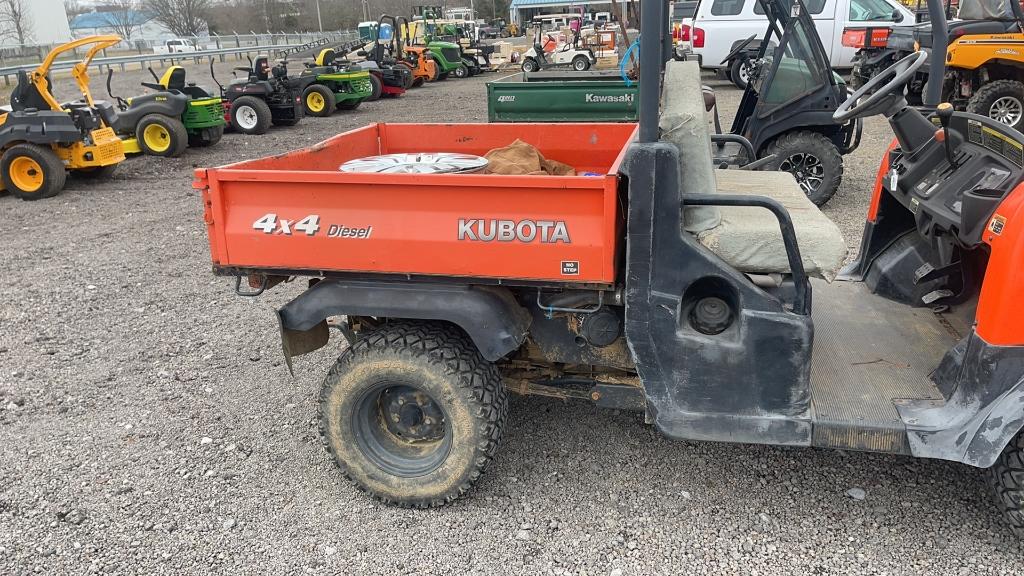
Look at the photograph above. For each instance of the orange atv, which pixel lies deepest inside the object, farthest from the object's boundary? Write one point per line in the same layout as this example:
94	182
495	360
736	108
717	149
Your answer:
417	58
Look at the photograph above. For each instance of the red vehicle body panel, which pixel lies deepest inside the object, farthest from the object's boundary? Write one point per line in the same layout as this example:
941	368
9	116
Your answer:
261	213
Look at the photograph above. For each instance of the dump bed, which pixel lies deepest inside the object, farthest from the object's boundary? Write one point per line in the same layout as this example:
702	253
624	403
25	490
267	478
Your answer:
296	213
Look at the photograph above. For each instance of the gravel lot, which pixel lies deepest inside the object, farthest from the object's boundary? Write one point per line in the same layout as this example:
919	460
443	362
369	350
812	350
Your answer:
149	426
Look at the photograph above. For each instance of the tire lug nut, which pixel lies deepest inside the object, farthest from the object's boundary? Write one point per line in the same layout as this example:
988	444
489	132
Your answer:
394	418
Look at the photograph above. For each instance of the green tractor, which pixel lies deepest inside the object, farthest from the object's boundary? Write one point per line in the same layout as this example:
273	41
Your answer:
334	87
176	115
447	55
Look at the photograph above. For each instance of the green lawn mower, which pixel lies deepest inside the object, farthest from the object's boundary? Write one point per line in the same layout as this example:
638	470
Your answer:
334	87
174	116
447	55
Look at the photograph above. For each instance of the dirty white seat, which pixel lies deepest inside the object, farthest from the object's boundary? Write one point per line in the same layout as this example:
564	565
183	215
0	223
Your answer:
747	238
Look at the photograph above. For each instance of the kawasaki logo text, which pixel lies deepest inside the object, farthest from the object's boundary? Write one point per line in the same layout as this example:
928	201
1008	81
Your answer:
542	231
598	98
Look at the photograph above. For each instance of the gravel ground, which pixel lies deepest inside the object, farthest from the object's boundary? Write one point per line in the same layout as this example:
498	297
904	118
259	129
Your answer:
148	426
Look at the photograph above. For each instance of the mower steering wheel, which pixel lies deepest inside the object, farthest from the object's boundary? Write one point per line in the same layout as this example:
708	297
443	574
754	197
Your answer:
738	49
883	98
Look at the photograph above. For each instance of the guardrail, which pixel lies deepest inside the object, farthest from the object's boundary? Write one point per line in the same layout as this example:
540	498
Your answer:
145	60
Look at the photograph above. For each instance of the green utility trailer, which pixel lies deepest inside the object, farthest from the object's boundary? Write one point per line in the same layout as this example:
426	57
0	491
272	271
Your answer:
562	97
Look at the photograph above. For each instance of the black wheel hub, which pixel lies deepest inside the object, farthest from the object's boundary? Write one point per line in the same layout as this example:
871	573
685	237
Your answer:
411	414
401	429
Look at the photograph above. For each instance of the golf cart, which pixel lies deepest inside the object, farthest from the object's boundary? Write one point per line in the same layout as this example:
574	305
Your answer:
644	282
786	109
545	52
267	95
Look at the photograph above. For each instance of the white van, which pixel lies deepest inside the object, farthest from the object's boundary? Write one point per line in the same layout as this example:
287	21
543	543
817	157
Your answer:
721	25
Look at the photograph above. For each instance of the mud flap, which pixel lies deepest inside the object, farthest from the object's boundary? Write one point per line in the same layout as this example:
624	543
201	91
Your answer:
299	342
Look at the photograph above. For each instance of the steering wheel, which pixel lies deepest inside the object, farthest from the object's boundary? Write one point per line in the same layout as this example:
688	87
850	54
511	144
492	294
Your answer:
883	96
739	49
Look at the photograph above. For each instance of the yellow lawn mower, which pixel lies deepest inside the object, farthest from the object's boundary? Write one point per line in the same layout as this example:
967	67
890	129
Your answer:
41	139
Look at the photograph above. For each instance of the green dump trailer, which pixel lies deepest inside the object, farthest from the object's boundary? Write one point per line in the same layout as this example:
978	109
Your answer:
562	96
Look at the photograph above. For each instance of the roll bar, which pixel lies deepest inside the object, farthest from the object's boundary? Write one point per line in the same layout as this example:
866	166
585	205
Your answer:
940	41
80	70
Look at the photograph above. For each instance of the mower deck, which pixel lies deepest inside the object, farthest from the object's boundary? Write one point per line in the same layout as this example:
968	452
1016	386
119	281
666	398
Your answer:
869	354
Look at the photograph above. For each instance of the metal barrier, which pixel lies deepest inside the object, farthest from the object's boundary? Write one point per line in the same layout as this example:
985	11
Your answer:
145	60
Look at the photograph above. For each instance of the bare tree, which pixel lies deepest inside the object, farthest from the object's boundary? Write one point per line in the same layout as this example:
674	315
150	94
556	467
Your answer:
16	20
122	17
74	8
181	17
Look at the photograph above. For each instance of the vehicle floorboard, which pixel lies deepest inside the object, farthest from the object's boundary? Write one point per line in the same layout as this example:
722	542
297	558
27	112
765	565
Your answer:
870	352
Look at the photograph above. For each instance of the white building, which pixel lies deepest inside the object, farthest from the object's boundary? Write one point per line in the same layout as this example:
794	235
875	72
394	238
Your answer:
46	22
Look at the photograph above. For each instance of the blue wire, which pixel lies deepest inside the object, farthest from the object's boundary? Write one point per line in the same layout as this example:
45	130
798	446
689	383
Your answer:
622	64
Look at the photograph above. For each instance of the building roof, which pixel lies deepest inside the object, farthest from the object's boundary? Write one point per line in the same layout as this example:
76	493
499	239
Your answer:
107	19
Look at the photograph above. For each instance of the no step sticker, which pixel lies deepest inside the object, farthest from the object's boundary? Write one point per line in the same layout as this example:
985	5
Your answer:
997	224
570	268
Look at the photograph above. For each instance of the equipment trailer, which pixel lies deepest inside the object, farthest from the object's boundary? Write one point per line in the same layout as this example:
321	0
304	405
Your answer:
648	286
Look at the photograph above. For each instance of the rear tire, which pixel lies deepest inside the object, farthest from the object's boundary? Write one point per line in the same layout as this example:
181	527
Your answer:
412	413
1006	477
206	138
251	115
580	63
167	136
378	87
1001	100
739	73
32	172
812	159
462	71
317	100
530	65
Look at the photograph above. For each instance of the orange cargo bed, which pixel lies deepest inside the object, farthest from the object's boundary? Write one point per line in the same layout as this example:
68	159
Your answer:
296	212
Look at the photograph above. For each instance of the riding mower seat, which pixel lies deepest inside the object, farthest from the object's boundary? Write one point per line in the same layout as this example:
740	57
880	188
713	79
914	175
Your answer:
747	238
25	94
261	68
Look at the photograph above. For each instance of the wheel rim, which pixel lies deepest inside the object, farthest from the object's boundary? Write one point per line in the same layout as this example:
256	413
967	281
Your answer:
157	138
246	117
744	73
806	168
315	101
1007	109
26	174
401	430
580	65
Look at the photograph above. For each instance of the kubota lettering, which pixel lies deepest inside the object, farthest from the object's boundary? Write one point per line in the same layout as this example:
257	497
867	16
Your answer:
526	231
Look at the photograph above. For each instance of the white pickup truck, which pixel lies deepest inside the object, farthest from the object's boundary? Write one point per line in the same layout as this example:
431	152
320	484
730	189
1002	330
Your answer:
175	45
721	25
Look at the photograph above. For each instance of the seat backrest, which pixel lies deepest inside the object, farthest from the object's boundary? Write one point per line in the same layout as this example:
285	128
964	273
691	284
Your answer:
261	67
173	78
26	95
325	57
684	122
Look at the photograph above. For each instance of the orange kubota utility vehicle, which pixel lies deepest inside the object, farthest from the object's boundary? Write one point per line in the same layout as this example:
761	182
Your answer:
646	281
